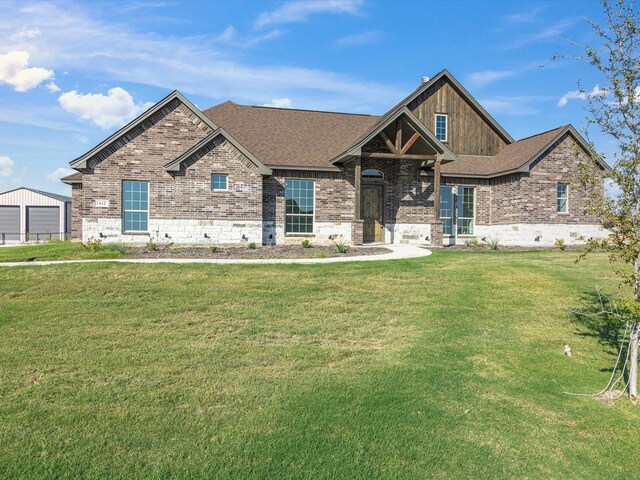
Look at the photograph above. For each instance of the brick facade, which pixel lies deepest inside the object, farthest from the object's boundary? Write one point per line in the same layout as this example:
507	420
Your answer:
184	208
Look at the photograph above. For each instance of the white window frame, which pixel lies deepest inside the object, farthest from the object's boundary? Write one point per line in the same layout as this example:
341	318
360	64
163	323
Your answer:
566	210
124	230
459	217
446	126
226	183
313	215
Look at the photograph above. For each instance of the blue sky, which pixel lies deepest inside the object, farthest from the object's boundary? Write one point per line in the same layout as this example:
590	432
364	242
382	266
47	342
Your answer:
71	73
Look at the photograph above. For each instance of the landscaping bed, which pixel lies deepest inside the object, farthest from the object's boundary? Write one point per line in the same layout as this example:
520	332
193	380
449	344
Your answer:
262	252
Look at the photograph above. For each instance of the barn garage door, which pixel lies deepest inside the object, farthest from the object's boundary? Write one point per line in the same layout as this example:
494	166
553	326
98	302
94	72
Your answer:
10	224
42	221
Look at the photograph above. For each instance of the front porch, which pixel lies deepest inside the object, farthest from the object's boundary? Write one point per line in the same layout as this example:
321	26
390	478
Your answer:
396	179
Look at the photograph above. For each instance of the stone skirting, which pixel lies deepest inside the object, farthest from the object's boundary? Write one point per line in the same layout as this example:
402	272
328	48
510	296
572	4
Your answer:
536	234
176	231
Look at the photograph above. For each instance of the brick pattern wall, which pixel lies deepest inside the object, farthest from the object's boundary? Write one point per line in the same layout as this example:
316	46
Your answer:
186	194
335	195
531	197
76	209
483	191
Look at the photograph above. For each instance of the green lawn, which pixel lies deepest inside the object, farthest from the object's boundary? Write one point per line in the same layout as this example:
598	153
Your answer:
57	250
444	367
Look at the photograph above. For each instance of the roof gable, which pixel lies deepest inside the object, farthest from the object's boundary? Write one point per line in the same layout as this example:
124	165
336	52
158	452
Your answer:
404	113
445	75
55	196
176	164
519	156
124	135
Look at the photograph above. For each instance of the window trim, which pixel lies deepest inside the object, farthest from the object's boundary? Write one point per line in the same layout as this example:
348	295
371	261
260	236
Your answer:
123	211
452	209
458	217
446	126
226	189
566	209
313	215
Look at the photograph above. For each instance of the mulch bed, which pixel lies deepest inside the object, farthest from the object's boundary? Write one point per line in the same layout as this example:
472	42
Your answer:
506	248
263	252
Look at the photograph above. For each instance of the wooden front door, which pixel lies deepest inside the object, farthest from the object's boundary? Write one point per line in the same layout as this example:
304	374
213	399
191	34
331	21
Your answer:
372	213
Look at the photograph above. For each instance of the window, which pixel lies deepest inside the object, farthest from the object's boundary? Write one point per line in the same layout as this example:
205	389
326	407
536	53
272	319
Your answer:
441	127
466	210
372	173
299	204
562	205
135	203
218	182
446	209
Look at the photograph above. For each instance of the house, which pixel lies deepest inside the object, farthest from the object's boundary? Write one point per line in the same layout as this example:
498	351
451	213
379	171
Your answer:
29	215
435	169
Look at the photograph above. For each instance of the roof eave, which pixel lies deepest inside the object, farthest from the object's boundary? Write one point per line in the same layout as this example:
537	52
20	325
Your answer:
174	166
356	150
80	163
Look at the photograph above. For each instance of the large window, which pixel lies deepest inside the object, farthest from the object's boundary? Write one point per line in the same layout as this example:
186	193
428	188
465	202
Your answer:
299	202
135	202
441	127
466	210
562	205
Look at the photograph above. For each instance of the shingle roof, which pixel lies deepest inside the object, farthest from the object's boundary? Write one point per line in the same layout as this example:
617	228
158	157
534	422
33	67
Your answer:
513	157
288	137
73	178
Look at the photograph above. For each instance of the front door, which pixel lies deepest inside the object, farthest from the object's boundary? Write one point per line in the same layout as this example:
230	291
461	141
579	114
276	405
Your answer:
372	213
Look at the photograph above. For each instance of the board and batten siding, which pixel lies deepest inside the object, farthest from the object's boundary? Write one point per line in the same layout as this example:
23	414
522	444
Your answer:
23	198
467	132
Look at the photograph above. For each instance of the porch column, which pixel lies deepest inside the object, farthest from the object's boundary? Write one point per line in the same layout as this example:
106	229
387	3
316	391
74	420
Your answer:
436	226
436	189
358	188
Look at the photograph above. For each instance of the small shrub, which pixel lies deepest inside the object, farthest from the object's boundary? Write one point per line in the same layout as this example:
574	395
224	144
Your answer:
559	243
152	246
252	246
93	244
474	243
213	248
306	244
341	247
494	243
121	248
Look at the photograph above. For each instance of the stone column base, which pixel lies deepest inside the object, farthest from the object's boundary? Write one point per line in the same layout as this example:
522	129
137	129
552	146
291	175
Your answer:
436	234
357	232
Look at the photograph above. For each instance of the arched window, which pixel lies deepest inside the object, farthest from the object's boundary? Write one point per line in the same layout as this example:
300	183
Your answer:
373	174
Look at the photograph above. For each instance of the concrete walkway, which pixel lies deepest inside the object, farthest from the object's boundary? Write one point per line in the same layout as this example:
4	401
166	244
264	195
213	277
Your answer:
398	252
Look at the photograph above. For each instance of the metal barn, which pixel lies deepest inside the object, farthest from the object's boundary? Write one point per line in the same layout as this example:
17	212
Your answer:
30	216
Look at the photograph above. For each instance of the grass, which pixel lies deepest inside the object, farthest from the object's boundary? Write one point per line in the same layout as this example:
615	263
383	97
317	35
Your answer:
58	250
450	366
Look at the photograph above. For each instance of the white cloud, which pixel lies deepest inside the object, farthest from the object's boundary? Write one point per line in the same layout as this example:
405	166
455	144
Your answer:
59	173
580	95
480	79
517	105
227	34
14	71
359	39
551	32
523	17
278	103
299	11
106	111
73	40
52	87
6	167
